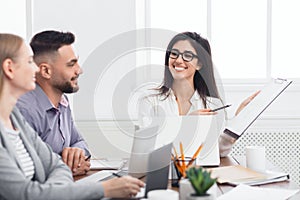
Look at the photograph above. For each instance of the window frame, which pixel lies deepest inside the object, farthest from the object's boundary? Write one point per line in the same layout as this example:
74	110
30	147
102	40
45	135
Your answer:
146	23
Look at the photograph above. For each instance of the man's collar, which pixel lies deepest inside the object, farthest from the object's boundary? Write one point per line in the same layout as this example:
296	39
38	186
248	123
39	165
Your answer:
64	101
43	98
45	101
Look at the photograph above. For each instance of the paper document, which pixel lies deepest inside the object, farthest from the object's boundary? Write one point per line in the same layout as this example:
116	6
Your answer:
238	174
239	124
96	177
107	164
246	192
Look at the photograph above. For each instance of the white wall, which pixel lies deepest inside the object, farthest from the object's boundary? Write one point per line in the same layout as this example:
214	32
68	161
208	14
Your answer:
107	42
94	22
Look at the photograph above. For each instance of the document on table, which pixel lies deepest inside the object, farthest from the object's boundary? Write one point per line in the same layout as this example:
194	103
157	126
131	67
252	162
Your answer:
239	124
246	192
107	164
96	177
238	174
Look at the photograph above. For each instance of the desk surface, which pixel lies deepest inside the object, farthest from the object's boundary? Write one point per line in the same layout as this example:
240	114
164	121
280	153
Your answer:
228	161
288	184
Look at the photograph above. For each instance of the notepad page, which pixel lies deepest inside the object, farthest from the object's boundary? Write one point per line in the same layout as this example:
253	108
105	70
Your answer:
243	191
107	164
239	124
96	177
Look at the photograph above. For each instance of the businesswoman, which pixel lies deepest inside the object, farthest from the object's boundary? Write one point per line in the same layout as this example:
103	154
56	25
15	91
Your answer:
189	85
28	167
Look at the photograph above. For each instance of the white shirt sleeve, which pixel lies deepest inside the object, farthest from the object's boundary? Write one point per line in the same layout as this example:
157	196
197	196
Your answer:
225	144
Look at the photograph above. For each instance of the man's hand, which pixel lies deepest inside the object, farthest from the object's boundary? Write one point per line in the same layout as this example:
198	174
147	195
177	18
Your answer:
246	102
124	187
74	157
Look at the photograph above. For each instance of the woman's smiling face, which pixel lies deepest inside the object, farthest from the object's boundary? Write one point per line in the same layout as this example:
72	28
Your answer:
179	68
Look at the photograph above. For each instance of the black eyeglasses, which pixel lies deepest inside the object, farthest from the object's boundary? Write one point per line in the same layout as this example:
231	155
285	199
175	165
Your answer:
187	56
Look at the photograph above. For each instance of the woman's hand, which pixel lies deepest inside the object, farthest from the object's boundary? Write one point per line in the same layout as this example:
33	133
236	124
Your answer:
203	112
124	187
246	102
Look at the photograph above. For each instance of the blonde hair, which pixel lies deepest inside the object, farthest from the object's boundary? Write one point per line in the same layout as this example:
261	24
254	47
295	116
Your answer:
10	45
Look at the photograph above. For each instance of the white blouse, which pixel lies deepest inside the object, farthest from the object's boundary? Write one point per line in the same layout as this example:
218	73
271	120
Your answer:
22	154
153	105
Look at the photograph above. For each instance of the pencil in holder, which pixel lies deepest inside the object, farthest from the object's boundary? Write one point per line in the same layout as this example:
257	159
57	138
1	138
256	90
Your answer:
178	169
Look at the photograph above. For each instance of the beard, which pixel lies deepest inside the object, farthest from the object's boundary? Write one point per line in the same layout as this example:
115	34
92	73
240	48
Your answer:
67	88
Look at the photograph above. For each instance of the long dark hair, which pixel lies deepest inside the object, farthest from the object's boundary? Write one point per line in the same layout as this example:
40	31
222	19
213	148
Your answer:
204	79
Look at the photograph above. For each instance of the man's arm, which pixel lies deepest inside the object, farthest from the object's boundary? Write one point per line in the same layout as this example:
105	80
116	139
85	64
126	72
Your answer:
77	139
76	155
76	160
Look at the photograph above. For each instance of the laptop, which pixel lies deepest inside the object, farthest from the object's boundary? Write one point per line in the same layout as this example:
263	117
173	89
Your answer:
192	131
158	170
143	144
158	164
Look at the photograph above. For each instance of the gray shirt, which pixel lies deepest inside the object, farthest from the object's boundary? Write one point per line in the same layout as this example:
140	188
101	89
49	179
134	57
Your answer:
54	125
52	178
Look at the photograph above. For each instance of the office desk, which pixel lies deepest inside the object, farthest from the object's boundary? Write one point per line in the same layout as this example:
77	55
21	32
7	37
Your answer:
228	161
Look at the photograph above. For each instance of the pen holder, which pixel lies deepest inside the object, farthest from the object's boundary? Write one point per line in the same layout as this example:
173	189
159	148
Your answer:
178	168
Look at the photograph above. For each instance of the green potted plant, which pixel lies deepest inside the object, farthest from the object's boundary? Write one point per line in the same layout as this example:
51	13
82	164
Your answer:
201	181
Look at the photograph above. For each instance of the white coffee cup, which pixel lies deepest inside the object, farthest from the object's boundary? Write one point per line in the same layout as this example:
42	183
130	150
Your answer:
163	195
256	158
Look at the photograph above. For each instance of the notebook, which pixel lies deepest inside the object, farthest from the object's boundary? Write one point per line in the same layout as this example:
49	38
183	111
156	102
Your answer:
192	131
239	124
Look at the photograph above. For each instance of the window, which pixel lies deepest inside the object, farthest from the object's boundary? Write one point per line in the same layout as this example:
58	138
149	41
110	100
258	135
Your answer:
250	39
13	17
238	38
285	38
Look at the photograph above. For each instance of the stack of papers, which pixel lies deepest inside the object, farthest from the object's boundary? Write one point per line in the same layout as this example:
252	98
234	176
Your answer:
238	174
96	177
107	164
246	192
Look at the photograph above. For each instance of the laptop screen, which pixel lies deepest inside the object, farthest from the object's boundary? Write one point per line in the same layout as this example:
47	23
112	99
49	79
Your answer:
158	168
143	144
192	131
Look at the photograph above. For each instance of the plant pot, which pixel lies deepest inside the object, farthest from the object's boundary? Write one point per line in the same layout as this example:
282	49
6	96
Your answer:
203	197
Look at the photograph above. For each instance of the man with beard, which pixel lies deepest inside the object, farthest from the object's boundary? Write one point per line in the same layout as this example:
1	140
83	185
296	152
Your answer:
47	107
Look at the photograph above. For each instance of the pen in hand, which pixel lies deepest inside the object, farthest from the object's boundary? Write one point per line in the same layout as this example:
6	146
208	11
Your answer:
117	175
87	158
216	109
